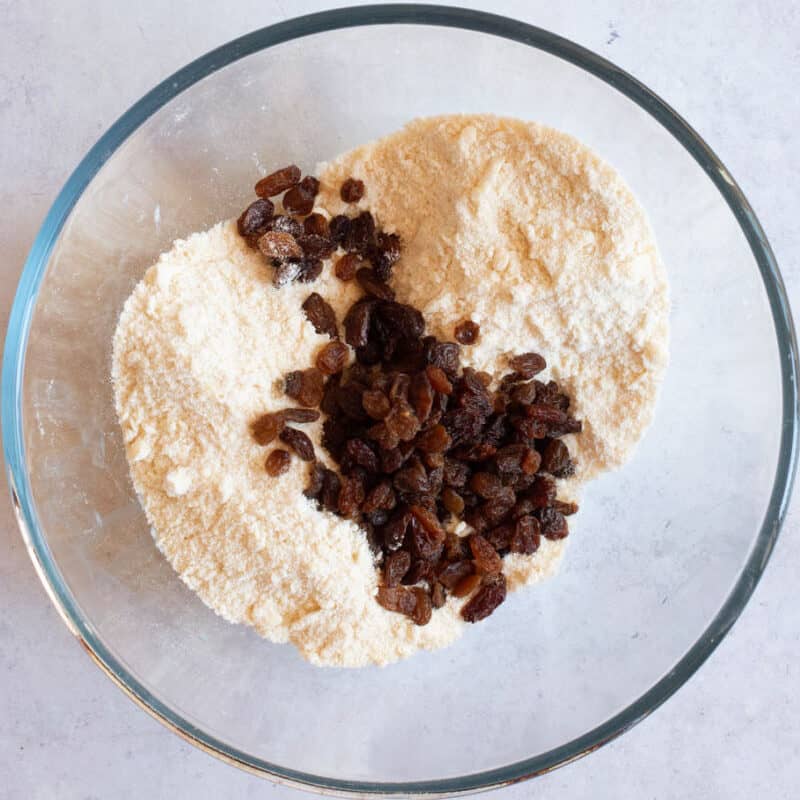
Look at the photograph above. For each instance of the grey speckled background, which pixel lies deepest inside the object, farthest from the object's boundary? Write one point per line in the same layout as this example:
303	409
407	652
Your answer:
68	69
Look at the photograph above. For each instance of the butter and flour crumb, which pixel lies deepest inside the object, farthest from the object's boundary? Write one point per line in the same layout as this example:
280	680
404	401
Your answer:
511	224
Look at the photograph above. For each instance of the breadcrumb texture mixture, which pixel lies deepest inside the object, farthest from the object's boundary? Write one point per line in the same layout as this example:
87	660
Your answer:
511	224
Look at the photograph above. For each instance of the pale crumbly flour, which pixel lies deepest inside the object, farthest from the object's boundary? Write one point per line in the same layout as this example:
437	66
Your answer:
511	224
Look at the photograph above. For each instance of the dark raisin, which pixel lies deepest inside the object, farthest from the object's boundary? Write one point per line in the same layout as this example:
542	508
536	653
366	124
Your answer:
401	421
526	537
555	459
285	224
456	473
421	394
486	559
411	479
566	509
278	181
310	185
524	393
310	270
362	454
438	379
286	272
527	365
391	460
397	598
316	225
361	233
438	596
255	217
346	267
456	548
338	228
332	358
351	495
320	314
315	247
352	190
281	246
356	323
542	493
315	480
331	485
451	574
385	254
395	529
490	595
445	355
426	544
380	497
467	332
278	462
395	567
531	462
500	536
267	427
372	286
554	524
299	442
298	200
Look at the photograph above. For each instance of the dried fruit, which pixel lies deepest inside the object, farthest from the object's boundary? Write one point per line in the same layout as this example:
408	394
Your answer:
467	332
527	365
338	228
316	225
395	567
305	386
526	537
376	403
452	501
554	525
467	585
351	495
356	323
332	358
286	272
555	459
299	442
490	595
486	559
278	181
370	283
438	597
352	190
281	246
320	314
438	379
278	462
486	485
315	481
310	270
397	598
255	217
267	427
298	200
422	610
346	267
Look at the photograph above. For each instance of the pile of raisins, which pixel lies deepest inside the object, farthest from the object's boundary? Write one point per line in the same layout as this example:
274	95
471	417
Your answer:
297	241
418	441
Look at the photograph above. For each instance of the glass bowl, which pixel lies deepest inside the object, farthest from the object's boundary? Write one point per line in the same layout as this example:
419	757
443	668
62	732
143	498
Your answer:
669	548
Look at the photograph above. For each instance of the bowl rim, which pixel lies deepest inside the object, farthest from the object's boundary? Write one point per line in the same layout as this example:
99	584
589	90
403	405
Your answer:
326	21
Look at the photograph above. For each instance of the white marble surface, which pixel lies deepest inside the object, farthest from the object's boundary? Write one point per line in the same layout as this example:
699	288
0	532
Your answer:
68	69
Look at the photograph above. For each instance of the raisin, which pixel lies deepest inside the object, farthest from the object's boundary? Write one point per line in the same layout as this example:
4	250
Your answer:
331	485
255	217
278	462
490	595
411	479
286	272
444	355
467	585
315	480
385	254
402	422
486	485
422	610
531	462
500	537
310	270
352	190
526	537
281	246
316	225
438	379
362	454
332	358
451	574
351	495
549	415
306	387
524	393
426	544
486	559
527	365
360	234
555	459
485	378
278	181
380	497
370	283
267	427
310	184
299	442
320	314
285	224
356	323
315	247
496	509
376	403
467	332
338	228
298	200
452	501
346	267
395	529
391	460
542	493
434	440
397	598
456	473
395	567
438	596
553	523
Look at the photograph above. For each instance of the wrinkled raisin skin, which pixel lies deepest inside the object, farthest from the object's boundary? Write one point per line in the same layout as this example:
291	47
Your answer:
278	181
352	190
278	462
320	314
489	596
467	332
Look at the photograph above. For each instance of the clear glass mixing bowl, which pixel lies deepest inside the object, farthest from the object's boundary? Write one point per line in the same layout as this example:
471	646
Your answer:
669	548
